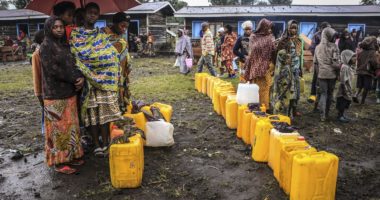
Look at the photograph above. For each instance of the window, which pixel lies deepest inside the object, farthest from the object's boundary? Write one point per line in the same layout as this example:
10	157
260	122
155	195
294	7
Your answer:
196	29
308	28
360	28
278	28
100	24
134	27
22	27
40	26
240	29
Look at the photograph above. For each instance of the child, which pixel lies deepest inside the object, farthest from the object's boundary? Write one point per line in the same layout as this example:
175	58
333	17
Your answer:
344	95
36	69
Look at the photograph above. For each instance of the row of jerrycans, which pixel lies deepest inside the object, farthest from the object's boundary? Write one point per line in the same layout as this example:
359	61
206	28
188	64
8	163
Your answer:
300	170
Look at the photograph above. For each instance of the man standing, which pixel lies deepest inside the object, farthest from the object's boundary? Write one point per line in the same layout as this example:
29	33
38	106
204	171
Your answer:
208	48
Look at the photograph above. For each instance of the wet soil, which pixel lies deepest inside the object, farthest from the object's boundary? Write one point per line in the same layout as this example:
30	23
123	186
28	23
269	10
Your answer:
207	161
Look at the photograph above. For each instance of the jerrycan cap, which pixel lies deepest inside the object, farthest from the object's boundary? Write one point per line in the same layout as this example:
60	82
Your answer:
301	138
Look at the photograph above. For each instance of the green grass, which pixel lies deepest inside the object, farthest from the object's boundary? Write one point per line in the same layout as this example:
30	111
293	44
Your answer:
16	78
163	88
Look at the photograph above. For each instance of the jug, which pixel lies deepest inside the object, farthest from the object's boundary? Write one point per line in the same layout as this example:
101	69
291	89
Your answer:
247	93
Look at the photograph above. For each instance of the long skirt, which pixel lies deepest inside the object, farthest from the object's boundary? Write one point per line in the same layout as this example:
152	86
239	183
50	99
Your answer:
103	107
62	135
264	84
181	63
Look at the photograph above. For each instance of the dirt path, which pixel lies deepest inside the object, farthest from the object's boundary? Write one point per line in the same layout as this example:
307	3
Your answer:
207	161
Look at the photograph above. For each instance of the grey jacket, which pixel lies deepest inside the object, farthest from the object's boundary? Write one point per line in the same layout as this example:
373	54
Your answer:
347	72
326	57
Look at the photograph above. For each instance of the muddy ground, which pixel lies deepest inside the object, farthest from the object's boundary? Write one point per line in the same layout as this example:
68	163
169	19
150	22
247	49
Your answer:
207	161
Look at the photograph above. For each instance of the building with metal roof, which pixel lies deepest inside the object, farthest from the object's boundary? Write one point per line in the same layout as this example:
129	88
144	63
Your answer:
365	18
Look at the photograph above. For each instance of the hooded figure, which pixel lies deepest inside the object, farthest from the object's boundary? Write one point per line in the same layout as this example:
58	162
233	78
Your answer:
346	42
183	50
344	95
367	64
261	56
326	61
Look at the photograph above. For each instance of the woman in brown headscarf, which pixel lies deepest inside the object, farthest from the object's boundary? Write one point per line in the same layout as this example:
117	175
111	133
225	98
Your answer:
261	56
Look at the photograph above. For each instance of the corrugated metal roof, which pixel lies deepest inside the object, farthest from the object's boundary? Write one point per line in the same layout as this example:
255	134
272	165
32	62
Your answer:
21	14
149	7
320	10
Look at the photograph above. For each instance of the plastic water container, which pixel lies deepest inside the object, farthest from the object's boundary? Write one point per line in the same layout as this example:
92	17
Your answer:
223	100
165	109
286	163
241	110
231	112
274	150
211	85
314	176
210	81
260	145
284	142
217	94
198	80
139	119
219	86
247	93
247	115
127	163
204	84
256	115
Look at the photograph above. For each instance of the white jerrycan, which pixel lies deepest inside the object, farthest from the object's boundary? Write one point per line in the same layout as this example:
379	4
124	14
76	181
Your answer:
247	93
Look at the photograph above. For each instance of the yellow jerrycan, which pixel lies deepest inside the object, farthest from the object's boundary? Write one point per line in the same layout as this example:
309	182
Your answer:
284	142
127	163
198	81
231	112
204	84
274	146
260	145
139	119
219	84
314	176
223	99
212	85
165	109
256	115
287	154
210	80
241	110
216	97
246	125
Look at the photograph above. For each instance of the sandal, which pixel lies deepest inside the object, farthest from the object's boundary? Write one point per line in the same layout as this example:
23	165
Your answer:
65	170
77	162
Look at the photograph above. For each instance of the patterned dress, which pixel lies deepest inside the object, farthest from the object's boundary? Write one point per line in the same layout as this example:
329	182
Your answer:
227	51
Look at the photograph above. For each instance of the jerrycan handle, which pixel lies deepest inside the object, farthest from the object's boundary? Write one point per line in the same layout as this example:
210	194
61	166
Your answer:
274	118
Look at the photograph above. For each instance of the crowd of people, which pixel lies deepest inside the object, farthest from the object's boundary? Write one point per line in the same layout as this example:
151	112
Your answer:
276	65
81	76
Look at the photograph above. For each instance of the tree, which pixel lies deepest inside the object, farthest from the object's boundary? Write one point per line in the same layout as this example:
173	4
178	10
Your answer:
262	3
369	2
280	2
3	5
20	4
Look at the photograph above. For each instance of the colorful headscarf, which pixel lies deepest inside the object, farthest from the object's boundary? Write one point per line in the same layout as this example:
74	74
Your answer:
287	39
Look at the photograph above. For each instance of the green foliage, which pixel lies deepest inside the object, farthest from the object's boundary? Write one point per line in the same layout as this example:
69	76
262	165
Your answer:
20	4
369	2
4	5
177	4
280	2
